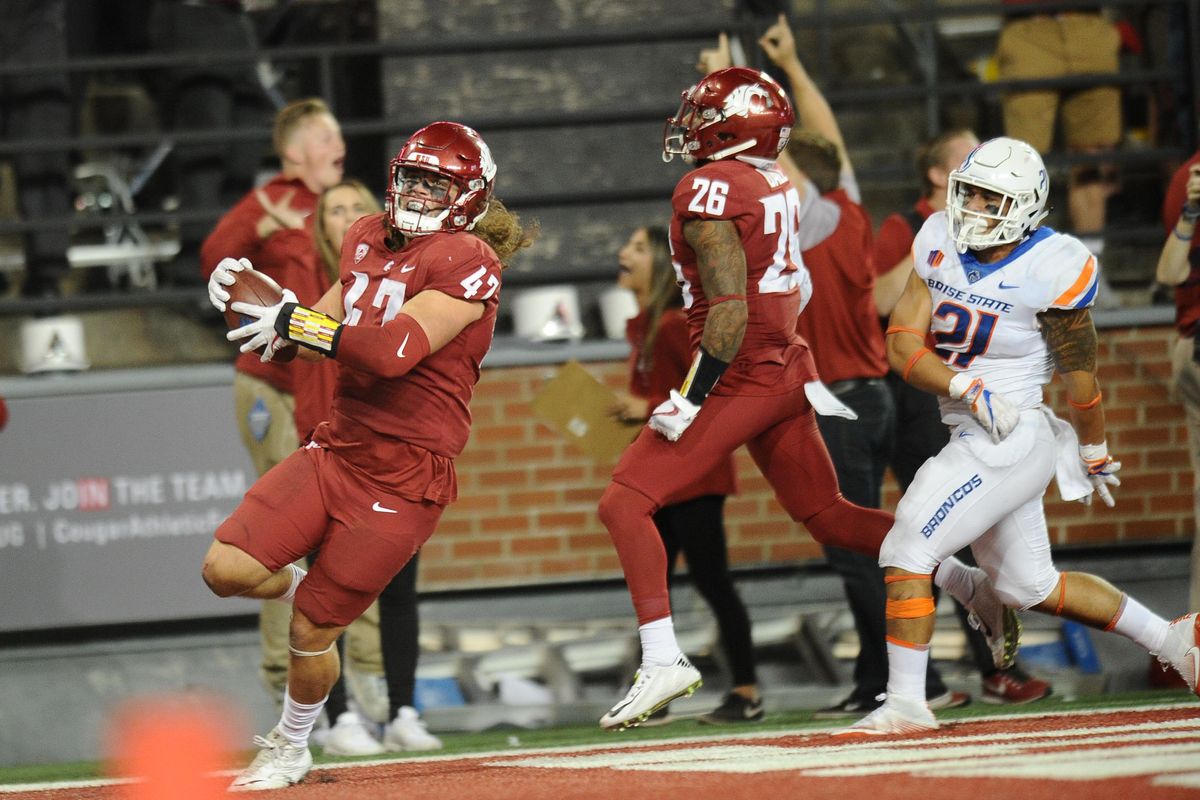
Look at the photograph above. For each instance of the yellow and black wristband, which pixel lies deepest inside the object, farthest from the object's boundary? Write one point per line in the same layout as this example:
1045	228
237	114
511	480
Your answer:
309	328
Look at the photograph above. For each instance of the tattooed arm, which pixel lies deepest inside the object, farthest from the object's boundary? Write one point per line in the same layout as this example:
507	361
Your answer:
1071	338
722	265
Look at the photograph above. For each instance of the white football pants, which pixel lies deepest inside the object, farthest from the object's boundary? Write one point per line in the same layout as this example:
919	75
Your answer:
988	497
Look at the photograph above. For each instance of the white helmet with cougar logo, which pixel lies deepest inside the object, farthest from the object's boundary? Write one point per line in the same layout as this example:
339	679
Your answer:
1010	168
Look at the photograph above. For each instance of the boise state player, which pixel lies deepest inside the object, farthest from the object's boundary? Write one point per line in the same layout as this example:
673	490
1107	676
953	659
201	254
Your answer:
1008	304
409	323
735	240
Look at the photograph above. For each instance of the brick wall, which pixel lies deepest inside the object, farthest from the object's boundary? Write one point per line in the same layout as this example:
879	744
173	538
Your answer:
527	512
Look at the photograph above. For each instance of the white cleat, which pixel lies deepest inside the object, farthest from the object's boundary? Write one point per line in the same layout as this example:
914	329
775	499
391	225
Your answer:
998	623
350	737
653	687
279	764
897	716
407	732
1181	650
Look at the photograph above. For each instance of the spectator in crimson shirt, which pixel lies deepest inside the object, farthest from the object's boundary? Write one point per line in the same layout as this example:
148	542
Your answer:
272	227
920	433
659	359
1179	266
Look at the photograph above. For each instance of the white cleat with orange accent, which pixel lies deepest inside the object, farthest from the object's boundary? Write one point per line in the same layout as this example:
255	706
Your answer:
896	717
1181	650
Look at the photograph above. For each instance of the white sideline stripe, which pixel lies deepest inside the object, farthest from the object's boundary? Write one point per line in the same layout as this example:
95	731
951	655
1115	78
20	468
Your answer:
1188	780
650	744
1030	755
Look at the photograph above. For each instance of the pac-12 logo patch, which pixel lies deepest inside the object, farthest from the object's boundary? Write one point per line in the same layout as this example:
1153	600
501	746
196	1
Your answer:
361	251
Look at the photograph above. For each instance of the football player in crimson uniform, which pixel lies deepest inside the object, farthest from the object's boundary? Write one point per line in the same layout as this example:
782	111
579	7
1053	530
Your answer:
735	233
1008	304
409	323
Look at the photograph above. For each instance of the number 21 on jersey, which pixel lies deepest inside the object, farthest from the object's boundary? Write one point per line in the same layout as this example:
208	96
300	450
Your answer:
963	333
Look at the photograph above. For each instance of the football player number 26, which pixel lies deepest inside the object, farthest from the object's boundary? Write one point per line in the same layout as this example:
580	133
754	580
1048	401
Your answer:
781	220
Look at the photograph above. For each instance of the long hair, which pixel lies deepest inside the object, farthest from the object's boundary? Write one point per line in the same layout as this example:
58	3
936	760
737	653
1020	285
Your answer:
330	256
503	232
500	228
664	289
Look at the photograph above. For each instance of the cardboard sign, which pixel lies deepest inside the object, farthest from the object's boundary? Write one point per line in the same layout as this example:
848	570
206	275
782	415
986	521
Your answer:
577	405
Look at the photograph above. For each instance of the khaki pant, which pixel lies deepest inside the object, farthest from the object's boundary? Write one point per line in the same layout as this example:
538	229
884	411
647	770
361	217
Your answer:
268	430
1186	385
1051	46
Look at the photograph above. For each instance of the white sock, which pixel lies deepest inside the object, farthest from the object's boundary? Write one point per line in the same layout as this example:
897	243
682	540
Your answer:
298	719
659	647
297	576
954	578
906	671
1136	622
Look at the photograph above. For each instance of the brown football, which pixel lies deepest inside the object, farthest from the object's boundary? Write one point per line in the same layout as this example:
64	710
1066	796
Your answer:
250	286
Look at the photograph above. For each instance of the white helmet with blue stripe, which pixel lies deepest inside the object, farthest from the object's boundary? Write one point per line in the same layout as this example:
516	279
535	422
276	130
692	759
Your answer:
1010	168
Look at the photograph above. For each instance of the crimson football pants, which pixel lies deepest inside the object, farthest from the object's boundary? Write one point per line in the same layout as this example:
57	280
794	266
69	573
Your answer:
780	432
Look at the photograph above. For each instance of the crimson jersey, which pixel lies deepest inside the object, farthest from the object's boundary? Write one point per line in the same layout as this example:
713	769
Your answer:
375	418
765	208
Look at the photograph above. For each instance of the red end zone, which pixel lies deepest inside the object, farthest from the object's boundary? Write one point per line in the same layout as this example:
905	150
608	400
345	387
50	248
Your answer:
1150	753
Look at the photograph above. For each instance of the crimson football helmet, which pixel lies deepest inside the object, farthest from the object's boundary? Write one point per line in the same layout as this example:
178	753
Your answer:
734	111
441	180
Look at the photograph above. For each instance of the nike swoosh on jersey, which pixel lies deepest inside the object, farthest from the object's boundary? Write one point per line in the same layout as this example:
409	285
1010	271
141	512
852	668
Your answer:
408	268
404	344
1003	286
383	509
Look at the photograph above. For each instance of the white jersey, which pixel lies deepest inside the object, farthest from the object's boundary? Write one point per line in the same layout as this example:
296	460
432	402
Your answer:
985	315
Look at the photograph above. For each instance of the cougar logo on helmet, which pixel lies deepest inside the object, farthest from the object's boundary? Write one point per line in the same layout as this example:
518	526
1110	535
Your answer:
731	112
741	101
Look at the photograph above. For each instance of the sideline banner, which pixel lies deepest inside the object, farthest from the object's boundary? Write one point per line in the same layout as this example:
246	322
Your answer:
108	502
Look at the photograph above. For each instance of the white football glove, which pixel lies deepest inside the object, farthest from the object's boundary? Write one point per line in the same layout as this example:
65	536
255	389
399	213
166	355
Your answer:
1101	470
673	416
992	411
221	277
260	332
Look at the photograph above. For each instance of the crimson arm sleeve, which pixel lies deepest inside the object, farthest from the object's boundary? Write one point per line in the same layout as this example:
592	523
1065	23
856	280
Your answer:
389	350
